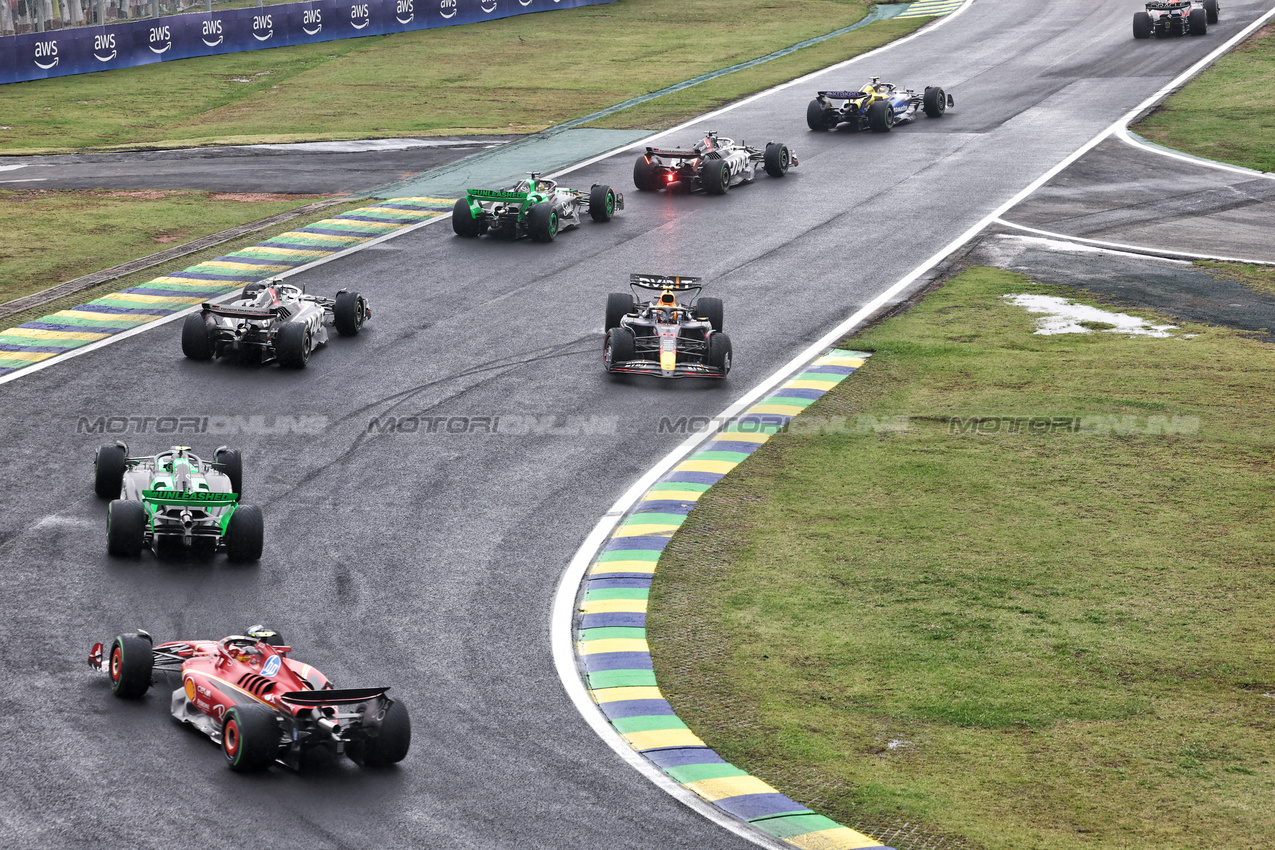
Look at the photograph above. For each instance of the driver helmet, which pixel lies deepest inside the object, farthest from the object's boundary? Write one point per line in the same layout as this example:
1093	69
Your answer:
666	308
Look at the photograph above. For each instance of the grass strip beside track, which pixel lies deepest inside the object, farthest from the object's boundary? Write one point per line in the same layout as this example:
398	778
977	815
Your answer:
550	68
997	638
47	237
1226	112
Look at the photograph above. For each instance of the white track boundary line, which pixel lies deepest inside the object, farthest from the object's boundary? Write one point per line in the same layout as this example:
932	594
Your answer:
1125	135
562	616
1131	250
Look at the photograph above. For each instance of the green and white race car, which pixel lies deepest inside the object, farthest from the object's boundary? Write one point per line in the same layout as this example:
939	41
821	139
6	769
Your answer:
175	497
537	207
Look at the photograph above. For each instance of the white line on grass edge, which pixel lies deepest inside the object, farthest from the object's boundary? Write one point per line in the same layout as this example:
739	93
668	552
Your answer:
1130	138
562	618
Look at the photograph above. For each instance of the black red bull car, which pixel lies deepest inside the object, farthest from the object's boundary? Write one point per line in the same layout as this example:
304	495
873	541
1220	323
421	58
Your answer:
664	328
1175	17
247	694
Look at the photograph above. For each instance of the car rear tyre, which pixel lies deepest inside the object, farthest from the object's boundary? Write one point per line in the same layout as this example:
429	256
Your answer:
1212	8
294	344
125	528
719	352
1198	22
777	159
601	203
463	221
130	664
710	310
715	177
542	222
815	118
618	349
881	116
230	462
249	738
644	176
349	313
1141	25
619	305
391	745
108	471
245	534
197	343
934	102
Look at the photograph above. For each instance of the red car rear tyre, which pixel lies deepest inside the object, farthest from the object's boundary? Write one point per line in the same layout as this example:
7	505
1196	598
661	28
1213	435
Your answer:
249	738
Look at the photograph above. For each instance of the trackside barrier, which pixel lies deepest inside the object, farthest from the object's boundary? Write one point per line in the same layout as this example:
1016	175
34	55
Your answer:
83	50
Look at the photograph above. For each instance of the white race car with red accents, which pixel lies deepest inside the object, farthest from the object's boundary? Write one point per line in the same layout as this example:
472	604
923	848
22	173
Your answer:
246	694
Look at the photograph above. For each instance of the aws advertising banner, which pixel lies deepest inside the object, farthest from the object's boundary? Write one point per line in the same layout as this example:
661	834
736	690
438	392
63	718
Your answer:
82	50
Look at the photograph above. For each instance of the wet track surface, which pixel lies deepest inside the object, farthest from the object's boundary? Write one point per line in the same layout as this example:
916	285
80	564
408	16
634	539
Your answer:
428	561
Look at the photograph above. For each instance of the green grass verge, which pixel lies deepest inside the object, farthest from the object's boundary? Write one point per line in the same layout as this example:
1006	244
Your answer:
1225	113
1002	640
47	237
514	75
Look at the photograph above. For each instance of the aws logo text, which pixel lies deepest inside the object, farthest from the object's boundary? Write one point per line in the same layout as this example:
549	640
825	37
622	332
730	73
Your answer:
103	43
360	16
160	35
211	29
312	21
46	50
404	8
262	27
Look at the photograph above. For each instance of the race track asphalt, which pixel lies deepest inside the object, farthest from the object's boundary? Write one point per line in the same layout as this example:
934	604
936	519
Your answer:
428	561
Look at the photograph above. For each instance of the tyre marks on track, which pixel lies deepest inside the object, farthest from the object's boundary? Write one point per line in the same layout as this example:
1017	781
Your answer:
612	653
58	333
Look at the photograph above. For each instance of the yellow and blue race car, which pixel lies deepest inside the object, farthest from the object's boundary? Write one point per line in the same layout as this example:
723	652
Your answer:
877	106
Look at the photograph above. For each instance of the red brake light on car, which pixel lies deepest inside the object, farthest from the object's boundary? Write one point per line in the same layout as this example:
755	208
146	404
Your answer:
670	178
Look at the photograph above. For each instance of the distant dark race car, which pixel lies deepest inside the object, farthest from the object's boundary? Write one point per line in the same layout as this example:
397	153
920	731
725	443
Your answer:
1175	17
877	106
175	497
713	164
272	320
666	330
537	207
247	694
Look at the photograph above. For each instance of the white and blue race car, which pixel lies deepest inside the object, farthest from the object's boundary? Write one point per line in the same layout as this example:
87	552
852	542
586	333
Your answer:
877	106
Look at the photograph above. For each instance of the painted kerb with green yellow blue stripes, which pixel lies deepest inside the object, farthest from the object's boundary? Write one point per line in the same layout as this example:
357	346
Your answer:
49	336
615	659
931	8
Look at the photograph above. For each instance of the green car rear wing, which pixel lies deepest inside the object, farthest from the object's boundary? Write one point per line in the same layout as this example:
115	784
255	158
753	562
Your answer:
190	498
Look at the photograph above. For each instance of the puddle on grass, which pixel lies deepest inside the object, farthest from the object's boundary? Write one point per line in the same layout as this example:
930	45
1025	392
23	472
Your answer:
1067	317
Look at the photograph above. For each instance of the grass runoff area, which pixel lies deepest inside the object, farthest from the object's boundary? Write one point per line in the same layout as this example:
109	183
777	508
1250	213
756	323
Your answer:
1225	113
1001	637
515	75
47	237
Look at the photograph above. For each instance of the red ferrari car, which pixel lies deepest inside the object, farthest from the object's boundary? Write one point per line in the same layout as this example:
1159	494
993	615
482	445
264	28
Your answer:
261	706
